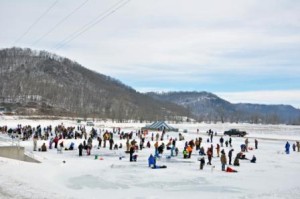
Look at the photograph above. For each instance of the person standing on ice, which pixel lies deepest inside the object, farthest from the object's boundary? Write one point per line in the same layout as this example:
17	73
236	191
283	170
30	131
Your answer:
230	155
211	136
298	146
172	150
99	141
221	141
80	147
189	149
127	145
157	137
226	143
256	143
223	160
56	139
131	151
287	147
202	163
111	143
294	147
246	143
34	143
156	149
209	155
218	150
230	141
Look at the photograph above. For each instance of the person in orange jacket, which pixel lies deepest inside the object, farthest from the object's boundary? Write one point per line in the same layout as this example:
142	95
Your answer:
189	150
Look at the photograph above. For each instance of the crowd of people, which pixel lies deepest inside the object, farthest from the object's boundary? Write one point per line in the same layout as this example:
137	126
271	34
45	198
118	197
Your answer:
160	143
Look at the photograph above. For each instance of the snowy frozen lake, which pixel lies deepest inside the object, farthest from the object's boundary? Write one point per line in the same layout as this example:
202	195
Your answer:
275	175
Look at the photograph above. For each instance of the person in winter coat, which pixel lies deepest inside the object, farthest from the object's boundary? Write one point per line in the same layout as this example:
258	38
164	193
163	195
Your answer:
230	155
298	146
246	143
43	147
223	160
236	161
185	154
209	155
197	143
50	143
256	143
161	148
226	143
243	147
111	143
157	137
71	147
218	150
230	142
221	141
176	151
131	151
99	141
287	147
202	151
253	160
80	147
294	147
189	149
148	144
141	144
127	145
34	143
55	142
202	163
172	150
151	161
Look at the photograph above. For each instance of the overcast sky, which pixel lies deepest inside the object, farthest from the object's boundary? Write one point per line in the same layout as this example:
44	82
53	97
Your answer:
241	50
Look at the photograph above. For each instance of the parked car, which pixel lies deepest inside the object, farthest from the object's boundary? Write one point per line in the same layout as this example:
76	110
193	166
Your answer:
235	132
90	123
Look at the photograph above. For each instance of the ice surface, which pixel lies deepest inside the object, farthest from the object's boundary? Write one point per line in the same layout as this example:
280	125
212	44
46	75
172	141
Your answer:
275	175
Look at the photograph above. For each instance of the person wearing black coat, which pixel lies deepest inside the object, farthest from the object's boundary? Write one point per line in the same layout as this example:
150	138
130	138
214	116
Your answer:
80	147
131	151
253	160
111	143
202	163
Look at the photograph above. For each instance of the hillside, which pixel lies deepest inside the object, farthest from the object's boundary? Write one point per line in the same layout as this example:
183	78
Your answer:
38	82
209	107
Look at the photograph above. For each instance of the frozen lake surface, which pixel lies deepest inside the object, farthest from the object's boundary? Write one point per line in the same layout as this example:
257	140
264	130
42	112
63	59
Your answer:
275	175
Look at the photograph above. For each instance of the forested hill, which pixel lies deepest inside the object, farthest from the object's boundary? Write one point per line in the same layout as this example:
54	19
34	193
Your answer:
209	107
38	82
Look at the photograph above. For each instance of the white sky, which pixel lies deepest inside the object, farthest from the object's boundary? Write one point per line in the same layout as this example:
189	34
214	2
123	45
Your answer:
232	47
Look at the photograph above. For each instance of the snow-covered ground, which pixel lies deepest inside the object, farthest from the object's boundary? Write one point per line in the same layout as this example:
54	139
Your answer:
275	175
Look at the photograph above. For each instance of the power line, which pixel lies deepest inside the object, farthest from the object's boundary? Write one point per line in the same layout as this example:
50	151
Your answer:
91	24
60	22
36	21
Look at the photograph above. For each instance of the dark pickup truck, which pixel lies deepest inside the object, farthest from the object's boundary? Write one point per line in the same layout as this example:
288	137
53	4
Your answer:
235	132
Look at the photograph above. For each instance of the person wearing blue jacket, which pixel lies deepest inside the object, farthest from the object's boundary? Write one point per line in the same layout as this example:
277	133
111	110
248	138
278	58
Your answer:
287	147
151	161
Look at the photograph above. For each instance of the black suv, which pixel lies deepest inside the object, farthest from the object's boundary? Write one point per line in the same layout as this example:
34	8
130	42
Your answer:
235	132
